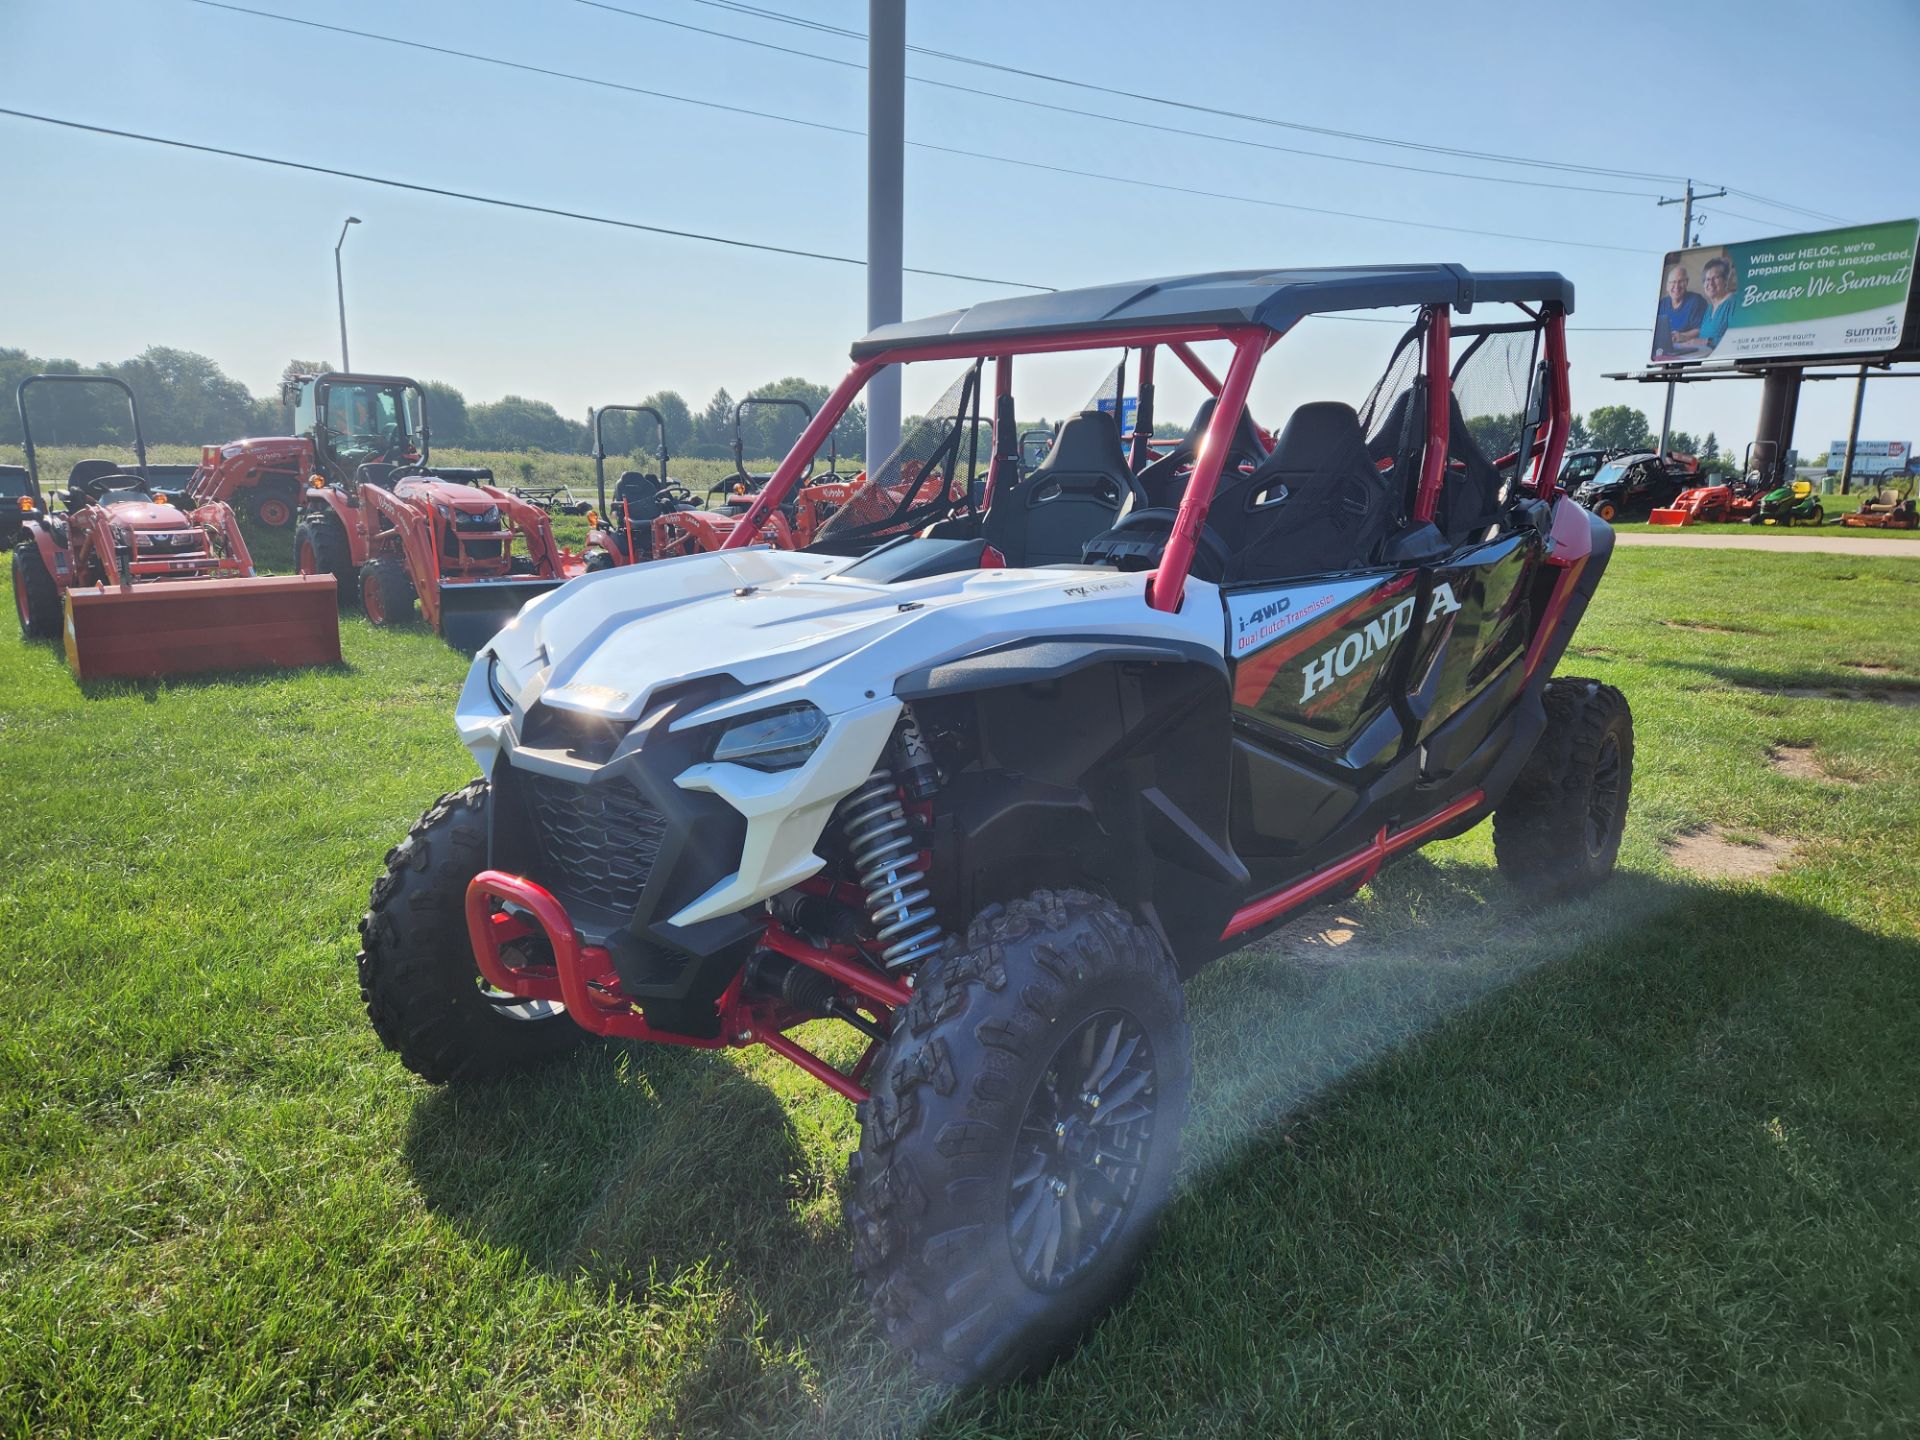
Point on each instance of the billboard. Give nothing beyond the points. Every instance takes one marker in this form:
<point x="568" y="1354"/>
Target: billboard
<point x="1871" y="457"/>
<point x="1830" y="292"/>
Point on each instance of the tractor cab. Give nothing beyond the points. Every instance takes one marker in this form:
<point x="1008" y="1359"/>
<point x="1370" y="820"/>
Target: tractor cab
<point x="359" y="420"/>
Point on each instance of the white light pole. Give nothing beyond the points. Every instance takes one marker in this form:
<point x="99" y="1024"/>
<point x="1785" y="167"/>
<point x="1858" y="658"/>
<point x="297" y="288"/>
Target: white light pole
<point x="340" y="291"/>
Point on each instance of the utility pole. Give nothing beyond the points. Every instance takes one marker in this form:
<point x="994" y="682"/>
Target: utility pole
<point x="886" y="183"/>
<point x="340" y="292"/>
<point x="1853" y="434"/>
<point x="1687" y="241"/>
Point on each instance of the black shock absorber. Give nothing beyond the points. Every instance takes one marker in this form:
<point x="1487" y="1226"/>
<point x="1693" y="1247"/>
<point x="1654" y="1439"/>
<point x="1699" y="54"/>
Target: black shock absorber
<point x="886" y="855"/>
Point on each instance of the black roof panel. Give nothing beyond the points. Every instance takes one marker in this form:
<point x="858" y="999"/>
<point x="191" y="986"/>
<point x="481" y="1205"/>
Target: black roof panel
<point x="1273" y="298"/>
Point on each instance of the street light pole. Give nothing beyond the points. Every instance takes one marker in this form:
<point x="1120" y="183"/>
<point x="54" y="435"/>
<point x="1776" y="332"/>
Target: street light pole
<point x="340" y="291"/>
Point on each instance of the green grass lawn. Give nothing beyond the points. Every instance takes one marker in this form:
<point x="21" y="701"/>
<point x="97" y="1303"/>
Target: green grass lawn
<point x="1643" y="1164"/>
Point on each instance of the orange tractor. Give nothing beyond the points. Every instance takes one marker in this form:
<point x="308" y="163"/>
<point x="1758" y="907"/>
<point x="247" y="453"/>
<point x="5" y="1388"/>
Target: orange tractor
<point x="651" y="517"/>
<point x="263" y="476"/>
<point x="142" y="587"/>
<point x="390" y="530"/>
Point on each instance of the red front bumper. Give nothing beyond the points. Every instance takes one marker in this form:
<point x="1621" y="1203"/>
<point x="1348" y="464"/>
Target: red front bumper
<point x="583" y="979"/>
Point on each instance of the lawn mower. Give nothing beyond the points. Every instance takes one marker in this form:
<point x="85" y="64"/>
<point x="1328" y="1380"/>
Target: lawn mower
<point x="973" y="801"/>
<point x="141" y="587"/>
<point x="1795" y="502"/>
<point x="1889" y="508"/>
<point x="391" y="530"/>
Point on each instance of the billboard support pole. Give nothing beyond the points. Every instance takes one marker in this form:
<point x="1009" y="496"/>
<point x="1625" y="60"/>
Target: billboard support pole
<point x="1687" y="241"/>
<point x="1853" y="433"/>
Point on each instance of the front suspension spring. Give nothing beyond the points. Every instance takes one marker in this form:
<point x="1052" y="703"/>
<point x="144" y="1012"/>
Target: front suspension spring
<point x="886" y="857"/>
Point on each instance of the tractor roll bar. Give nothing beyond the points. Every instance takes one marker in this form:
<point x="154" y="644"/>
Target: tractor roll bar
<point x="26" y="430"/>
<point x="739" y="444"/>
<point x="600" y="444"/>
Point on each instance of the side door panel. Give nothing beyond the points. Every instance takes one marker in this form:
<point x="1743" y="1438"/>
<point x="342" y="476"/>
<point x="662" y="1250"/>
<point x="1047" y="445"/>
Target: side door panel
<point x="1314" y="665"/>
<point x="1467" y="656"/>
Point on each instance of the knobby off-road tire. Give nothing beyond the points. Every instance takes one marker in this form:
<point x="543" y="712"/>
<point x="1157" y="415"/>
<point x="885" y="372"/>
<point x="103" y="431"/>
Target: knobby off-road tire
<point x="320" y="548"/>
<point x="423" y="992"/>
<point x="1059" y="996"/>
<point x="36" y="599"/>
<point x="1558" y="830"/>
<point x="386" y="593"/>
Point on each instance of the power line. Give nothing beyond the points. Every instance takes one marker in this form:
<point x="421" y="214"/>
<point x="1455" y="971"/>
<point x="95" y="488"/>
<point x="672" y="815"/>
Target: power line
<point x="498" y="201"/>
<point x="976" y="92"/>
<point x="917" y="144"/>
<point x="1491" y="157"/>
<point x="558" y="213"/>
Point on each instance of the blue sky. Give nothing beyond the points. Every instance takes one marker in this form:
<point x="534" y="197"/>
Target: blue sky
<point x="110" y="246"/>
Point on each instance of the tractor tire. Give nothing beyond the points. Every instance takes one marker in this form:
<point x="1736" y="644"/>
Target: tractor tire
<point x="983" y="1146"/>
<point x="273" y="504"/>
<point x="1606" y="510"/>
<point x="1558" y="830"/>
<point x="35" y="597"/>
<point x="320" y="547"/>
<point x="1818" y="516"/>
<point x="596" y="561"/>
<point x="386" y="594"/>
<point x="422" y="989"/>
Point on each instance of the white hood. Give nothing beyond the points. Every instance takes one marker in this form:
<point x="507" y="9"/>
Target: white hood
<point x="604" y="643"/>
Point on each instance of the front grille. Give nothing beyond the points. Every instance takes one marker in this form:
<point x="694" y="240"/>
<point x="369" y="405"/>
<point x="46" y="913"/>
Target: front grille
<point x="596" y="843"/>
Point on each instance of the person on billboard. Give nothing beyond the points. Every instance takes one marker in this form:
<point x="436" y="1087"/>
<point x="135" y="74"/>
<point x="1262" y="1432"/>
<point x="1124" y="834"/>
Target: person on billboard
<point x="1678" y="319"/>
<point x="1717" y="279"/>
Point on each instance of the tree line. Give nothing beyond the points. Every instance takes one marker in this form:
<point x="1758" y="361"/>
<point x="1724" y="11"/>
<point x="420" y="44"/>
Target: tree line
<point x="1607" y="427"/>
<point x="187" y="399"/>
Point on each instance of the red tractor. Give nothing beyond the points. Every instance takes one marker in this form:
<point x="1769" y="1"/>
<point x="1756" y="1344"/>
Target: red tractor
<point x="263" y="477"/>
<point x="140" y="586"/>
<point x="653" y="518"/>
<point x="390" y="530"/>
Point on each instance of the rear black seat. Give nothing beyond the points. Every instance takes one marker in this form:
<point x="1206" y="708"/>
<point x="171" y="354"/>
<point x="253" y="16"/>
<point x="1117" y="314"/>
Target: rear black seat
<point x="1316" y="504"/>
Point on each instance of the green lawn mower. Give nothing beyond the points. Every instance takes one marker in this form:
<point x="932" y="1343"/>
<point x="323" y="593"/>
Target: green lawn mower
<point x="1795" y="503"/>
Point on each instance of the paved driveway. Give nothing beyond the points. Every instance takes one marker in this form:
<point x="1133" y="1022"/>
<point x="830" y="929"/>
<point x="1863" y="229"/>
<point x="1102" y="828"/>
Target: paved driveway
<point x="1799" y="543"/>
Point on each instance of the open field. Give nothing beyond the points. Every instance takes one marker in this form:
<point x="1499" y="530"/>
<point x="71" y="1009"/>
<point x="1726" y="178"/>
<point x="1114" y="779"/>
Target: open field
<point x="1643" y="1164"/>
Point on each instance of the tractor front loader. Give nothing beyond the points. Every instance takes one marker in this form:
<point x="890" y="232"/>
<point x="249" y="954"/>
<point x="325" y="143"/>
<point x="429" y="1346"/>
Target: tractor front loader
<point x="391" y="530"/>
<point x="140" y="587"/>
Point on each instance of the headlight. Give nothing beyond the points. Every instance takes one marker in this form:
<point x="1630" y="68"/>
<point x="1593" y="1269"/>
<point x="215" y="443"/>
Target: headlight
<point x="778" y="740"/>
<point x="495" y="689"/>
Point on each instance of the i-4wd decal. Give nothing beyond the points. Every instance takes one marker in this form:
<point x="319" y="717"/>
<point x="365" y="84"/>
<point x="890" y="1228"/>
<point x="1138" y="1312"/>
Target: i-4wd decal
<point x="1256" y="619"/>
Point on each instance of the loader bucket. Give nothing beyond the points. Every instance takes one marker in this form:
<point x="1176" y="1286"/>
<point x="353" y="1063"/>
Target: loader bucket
<point x="1670" y="517"/>
<point x="175" y="627"/>
<point x="472" y="612"/>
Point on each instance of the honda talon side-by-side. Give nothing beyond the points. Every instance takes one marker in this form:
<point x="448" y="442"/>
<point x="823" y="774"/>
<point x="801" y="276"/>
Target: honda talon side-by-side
<point x="971" y="786"/>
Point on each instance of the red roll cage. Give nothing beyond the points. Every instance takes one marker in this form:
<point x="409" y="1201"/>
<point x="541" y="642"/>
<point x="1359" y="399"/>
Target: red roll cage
<point x="1250" y="344"/>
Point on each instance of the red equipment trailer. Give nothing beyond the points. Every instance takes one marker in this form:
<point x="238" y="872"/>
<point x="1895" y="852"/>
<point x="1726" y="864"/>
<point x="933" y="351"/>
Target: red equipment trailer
<point x="141" y="587"/>
<point x="390" y="530"/>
